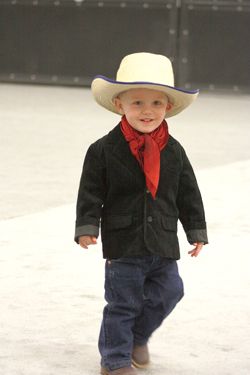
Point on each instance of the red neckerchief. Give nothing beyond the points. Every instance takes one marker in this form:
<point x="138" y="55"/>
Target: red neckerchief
<point x="146" y="147"/>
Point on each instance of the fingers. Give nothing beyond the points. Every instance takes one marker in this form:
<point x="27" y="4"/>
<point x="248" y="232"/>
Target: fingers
<point x="84" y="244"/>
<point x="196" y="251"/>
<point x="85" y="241"/>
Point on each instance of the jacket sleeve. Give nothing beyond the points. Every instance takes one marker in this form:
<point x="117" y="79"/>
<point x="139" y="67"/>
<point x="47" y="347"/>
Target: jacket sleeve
<point x="91" y="193"/>
<point x="190" y="205"/>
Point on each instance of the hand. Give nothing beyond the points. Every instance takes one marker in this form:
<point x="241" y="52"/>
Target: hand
<point x="198" y="247"/>
<point x="85" y="241"/>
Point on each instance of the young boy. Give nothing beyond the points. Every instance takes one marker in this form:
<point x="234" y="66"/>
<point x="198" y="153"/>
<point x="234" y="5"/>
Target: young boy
<point x="137" y="181"/>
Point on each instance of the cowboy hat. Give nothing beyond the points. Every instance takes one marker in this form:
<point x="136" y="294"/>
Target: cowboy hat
<point x="142" y="70"/>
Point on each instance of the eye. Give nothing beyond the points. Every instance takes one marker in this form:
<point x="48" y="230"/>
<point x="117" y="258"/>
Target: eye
<point x="157" y="102"/>
<point x="137" y="102"/>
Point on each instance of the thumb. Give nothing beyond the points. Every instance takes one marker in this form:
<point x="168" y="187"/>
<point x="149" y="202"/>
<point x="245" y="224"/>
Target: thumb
<point x="93" y="239"/>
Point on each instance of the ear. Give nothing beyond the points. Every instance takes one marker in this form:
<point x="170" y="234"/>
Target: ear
<point x="169" y="106"/>
<point x="118" y="104"/>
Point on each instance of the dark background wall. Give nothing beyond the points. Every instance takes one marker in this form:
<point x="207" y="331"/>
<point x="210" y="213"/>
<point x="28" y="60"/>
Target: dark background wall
<point x="69" y="42"/>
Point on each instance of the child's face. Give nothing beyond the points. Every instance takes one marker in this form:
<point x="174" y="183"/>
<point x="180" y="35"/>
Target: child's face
<point x="145" y="109"/>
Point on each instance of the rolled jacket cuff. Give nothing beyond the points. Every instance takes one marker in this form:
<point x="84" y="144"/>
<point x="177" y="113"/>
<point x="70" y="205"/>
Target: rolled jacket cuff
<point x="86" y="230"/>
<point x="197" y="235"/>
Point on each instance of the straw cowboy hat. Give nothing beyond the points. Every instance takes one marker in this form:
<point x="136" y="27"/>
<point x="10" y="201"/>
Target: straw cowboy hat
<point x="142" y="70"/>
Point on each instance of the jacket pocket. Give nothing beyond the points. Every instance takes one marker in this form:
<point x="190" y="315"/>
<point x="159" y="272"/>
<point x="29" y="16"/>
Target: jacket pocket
<point x="117" y="222"/>
<point x="169" y="223"/>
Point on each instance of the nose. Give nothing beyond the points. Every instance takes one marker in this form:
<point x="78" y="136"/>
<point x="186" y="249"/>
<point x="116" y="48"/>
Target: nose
<point x="147" y="109"/>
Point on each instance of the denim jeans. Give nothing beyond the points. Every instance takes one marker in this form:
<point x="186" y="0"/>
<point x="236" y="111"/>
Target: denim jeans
<point x="140" y="293"/>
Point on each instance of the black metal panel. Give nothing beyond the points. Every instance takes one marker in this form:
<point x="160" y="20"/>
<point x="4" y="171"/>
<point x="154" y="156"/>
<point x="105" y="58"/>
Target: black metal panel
<point x="68" y="42"/>
<point x="214" y="48"/>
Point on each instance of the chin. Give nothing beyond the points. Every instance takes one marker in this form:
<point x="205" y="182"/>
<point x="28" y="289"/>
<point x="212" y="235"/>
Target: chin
<point x="148" y="129"/>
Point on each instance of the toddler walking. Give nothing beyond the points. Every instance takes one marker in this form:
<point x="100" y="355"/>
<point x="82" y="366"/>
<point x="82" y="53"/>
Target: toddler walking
<point x="136" y="183"/>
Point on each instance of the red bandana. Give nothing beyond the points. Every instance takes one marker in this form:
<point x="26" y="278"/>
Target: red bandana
<point x="146" y="148"/>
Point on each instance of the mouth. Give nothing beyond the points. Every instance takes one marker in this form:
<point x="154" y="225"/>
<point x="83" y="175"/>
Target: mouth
<point x="146" y="120"/>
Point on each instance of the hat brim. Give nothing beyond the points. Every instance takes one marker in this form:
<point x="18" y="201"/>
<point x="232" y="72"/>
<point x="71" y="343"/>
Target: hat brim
<point x="105" y="90"/>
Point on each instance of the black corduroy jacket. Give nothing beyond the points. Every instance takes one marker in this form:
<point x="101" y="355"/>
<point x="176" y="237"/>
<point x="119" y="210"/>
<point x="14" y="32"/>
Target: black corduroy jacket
<point x="113" y="192"/>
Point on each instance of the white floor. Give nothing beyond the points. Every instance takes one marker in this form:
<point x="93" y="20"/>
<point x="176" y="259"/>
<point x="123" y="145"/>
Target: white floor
<point x="52" y="291"/>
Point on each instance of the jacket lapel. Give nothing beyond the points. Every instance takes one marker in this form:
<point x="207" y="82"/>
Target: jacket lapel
<point x="121" y="151"/>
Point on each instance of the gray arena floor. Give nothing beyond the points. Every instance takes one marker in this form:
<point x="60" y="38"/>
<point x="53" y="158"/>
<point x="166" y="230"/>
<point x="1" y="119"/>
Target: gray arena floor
<point x="52" y="291"/>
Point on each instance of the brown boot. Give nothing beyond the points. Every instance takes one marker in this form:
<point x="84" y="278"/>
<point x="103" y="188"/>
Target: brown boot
<point x="119" y="371"/>
<point x="140" y="356"/>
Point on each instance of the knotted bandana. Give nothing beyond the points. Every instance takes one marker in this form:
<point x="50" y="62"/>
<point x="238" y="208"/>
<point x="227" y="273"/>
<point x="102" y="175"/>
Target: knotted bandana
<point x="146" y="147"/>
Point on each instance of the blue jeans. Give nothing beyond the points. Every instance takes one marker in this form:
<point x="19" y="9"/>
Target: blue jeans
<point x="140" y="293"/>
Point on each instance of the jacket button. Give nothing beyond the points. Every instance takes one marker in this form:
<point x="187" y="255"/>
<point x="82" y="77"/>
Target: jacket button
<point x="150" y="219"/>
